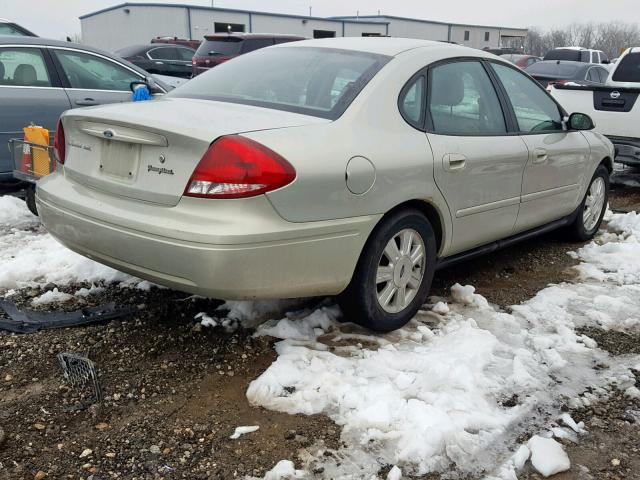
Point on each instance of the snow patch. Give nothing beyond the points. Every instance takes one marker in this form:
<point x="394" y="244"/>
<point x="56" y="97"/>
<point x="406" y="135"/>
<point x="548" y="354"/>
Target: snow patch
<point x="243" y="431"/>
<point x="52" y="296"/>
<point x="547" y="456"/>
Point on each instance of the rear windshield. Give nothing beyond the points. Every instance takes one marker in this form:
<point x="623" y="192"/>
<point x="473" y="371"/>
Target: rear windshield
<point x="558" y="70"/>
<point x="564" y="54"/>
<point x="321" y="82"/>
<point x="220" y="46"/>
<point x="628" y="69"/>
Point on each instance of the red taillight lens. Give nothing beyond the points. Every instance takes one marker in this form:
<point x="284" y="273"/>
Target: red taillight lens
<point x="237" y="167"/>
<point x="59" y="145"/>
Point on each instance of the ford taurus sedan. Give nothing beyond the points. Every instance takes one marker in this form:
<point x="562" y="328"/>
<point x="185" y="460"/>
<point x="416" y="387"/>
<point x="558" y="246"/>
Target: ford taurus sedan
<point x="351" y="167"/>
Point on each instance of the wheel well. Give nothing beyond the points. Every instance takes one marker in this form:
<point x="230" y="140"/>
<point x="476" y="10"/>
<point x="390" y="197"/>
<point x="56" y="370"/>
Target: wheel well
<point x="429" y="211"/>
<point x="608" y="163"/>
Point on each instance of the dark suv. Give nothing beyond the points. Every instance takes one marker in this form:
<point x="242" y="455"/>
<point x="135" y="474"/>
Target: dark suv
<point x="216" y="49"/>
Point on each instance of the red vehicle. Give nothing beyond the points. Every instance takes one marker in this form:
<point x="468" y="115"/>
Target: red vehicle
<point x="219" y="48"/>
<point x="177" y="41"/>
<point x="521" y="61"/>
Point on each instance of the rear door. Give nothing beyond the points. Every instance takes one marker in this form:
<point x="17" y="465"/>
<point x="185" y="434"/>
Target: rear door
<point x="30" y="91"/>
<point x="557" y="157"/>
<point x="478" y="165"/>
<point x="92" y="79"/>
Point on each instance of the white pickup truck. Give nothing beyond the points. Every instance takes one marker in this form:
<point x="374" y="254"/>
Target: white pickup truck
<point x="614" y="107"/>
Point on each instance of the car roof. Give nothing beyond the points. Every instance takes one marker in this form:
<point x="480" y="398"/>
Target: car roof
<point x="386" y="45"/>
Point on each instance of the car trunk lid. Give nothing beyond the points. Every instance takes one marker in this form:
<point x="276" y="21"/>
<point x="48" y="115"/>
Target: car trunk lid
<point x="148" y="151"/>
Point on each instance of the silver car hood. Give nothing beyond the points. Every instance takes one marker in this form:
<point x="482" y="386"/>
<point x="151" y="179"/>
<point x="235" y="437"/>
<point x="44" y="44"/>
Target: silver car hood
<point x="148" y="150"/>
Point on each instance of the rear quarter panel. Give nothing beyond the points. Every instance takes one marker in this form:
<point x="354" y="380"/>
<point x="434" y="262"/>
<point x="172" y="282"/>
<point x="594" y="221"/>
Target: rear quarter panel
<point x="372" y="127"/>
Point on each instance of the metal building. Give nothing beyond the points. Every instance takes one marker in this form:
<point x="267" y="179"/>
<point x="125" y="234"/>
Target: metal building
<point x="133" y="23"/>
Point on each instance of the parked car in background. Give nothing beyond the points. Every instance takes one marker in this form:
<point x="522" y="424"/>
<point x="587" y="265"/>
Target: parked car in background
<point x="577" y="54"/>
<point x="626" y="71"/>
<point x="163" y="59"/>
<point x="287" y="161"/>
<point x="10" y="28"/>
<point x="556" y="71"/>
<point x="216" y="49"/>
<point x="522" y="61"/>
<point x="503" y="51"/>
<point x="40" y="79"/>
<point x="178" y="41"/>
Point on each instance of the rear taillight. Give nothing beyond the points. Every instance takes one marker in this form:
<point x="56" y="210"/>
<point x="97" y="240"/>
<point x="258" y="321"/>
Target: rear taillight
<point x="237" y="167"/>
<point x="59" y="146"/>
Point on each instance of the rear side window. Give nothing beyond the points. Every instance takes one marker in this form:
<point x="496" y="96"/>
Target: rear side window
<point x="535" y="111"/>
<point x="314" y="81"/>
<point x="463" y="101"/>
<point x="220" y="46"/>
<point x="185" y="54"/>
<point x="23" y="67"/>
<point x="628" y="69"/>
<point x="164" y="53"/>
<point x="252" y="44"/>
<point x="411" y="102"/>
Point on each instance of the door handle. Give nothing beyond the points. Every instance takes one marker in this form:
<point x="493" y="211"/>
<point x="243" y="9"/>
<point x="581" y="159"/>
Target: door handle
<point x="87" y="102"/>
<point x="540" y="155"/>
<point x="454" y="161"/>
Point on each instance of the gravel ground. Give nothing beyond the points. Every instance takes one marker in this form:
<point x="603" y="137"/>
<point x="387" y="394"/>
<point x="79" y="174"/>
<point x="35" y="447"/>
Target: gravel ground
<point x="174" y="392"/>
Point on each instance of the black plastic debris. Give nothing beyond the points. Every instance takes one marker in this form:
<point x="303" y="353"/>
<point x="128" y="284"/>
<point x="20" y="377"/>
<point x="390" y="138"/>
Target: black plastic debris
<point x="28" y="321"/>
<point x="80" y="373"/>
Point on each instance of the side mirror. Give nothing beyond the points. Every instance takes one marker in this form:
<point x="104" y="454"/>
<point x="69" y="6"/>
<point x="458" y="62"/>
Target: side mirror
<point x="136" y="84"/>
<point x="580" y="121"/>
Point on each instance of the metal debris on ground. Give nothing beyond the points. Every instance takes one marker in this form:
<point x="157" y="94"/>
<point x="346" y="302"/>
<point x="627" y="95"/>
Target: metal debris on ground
<point x="28" y="321"/>
<point x="80" y="373"/>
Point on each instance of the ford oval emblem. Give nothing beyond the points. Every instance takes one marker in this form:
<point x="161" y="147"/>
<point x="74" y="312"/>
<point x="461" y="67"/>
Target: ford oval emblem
<point x="615" y="94"/>
<point x="108" y="134"/>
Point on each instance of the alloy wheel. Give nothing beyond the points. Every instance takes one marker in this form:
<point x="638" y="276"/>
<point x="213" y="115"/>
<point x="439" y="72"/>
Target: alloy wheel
<point x="594" y="203"/>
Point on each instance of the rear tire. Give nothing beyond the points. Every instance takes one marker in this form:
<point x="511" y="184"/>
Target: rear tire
<point x="390" y="284"/>
<point x="592" y="208"/>
<point x="30" y="199"/>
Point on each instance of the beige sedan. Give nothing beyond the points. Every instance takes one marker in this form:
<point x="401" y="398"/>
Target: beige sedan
<point x="351" y="167"/>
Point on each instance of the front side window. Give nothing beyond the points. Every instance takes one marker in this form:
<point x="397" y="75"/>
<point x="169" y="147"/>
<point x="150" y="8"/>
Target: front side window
<point x="163" y="53"/>
<point x="90" y="72"/>
<point x="23" y="67"/>
<point x="535" y="111"/>
<point x="628" y="69"/>
<point x="412" y="101"/>
<point x="314" y="81"/>
<point x="463" y="101"/>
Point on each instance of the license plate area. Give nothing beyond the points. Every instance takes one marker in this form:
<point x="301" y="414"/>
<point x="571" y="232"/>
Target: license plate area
<point x="120" y="160"/>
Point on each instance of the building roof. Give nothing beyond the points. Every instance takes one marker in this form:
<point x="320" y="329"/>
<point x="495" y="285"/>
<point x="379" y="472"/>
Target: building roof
<point x="385" y="18"/>
<point x="218" y="9"/>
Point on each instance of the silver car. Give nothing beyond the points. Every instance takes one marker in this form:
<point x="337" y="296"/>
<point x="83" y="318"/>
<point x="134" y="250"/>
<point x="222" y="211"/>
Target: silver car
<point x="351" y="167"/>
<point x="40" y="79"/>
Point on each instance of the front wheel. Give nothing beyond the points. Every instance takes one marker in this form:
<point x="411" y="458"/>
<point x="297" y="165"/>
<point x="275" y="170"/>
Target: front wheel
<point x="30" y="199"/>
<point x="592" y="209"/>
<point x="394" y="273"/>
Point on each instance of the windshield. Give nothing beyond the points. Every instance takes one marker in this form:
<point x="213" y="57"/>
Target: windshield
<point x="220" y="46"/>
<point x="9" y="29"/>
<point x="564" y="54"/>
<point x="628" y="69"/>
<point x="313" y="81"/>
<point x="555" y="69"/>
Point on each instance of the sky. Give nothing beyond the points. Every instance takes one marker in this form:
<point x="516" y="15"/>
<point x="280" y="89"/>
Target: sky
<point x="59" y="18"/>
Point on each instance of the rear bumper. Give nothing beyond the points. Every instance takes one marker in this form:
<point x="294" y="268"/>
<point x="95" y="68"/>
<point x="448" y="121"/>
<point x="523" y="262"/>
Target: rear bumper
<point x="627" y="150"/>
<point x="233" y="249"/>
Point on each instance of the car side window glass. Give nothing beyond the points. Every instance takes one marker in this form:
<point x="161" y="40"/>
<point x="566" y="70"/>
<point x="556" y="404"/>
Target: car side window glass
<point x="163" y="53"/>
<point x="95" y="73"/>
<point x="535" y="111"/>
<point x="412" y="100"/>
<point x="23" y="67"/>
<point x="462" y="100"/>
<point x="251" y="44"/>
<point x="604" y="74"/>
<point x="185" y="54"/>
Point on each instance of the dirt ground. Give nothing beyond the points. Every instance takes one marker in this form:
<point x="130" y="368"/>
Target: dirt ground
<point x="174" y="392"/>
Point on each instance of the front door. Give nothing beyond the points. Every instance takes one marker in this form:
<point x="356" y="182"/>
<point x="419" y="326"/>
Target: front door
<point x="91" y="79"/>
<point x="29" y="93"/>
<point x="552" y="177"/>
<point x="478" y="166"/>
